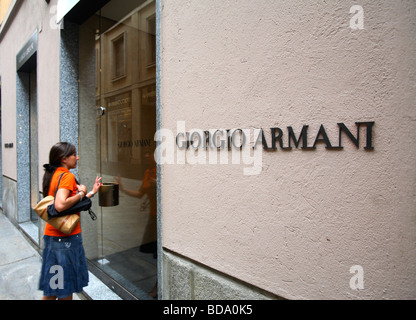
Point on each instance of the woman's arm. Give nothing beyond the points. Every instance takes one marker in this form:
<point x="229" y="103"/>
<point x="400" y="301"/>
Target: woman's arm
<point x="63" y="201"/>
<point x="132" y="193"/>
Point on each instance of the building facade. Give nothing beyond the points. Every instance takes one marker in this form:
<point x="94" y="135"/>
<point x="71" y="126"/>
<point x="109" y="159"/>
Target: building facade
<point x="282" y="133"/>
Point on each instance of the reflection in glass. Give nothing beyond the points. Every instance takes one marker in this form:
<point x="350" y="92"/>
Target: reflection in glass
<point x="126" y="76"/>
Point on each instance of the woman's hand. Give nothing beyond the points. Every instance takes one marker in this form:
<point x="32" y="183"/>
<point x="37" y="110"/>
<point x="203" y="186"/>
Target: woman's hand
<point x="82" y="188"/>
<point x="119" y="182"/>
<point x="96" y="185"/>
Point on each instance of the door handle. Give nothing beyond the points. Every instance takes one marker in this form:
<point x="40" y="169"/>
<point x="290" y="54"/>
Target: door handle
<point x="100" y="111"/>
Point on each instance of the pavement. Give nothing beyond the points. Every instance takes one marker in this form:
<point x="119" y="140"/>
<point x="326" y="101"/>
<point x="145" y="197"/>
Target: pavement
<point x="20" y="265"/>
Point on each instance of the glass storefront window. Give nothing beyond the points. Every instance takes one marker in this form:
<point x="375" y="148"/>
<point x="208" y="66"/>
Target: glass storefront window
<point x="125" y="87"/>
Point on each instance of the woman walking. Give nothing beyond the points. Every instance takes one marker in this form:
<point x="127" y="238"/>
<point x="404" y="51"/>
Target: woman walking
<point x="64" y="266"/>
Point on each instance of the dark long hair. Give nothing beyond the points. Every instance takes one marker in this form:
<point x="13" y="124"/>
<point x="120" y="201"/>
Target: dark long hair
<point x="56" y="154"/>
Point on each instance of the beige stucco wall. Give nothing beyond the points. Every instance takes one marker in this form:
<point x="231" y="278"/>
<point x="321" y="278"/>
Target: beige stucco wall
<point x="48" y="75"/>
<point x="298" y="227"/>
<point x="4" y="7"/>
<point x="31" y="16"/>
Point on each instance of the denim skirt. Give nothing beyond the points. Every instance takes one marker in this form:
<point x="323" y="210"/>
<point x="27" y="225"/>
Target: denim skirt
<point x="64" y="266"/>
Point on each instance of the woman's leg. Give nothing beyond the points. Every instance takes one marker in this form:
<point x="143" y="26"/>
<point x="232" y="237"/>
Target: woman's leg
<point x="54" y="298"/>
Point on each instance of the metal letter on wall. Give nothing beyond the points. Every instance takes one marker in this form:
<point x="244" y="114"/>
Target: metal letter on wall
<point x="26" y="57"/>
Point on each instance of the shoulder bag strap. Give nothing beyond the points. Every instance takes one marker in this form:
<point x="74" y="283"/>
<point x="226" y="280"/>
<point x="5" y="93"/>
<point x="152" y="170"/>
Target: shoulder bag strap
<point x="56" y="190"/>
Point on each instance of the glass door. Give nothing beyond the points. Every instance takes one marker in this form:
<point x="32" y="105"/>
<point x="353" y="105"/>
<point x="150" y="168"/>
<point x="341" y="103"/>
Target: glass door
<point x="125" y="45"/>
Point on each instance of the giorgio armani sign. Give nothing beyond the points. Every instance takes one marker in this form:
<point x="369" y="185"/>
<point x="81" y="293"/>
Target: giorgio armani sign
<point x="237" y="146"/>
<point x="285" y="139"/>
